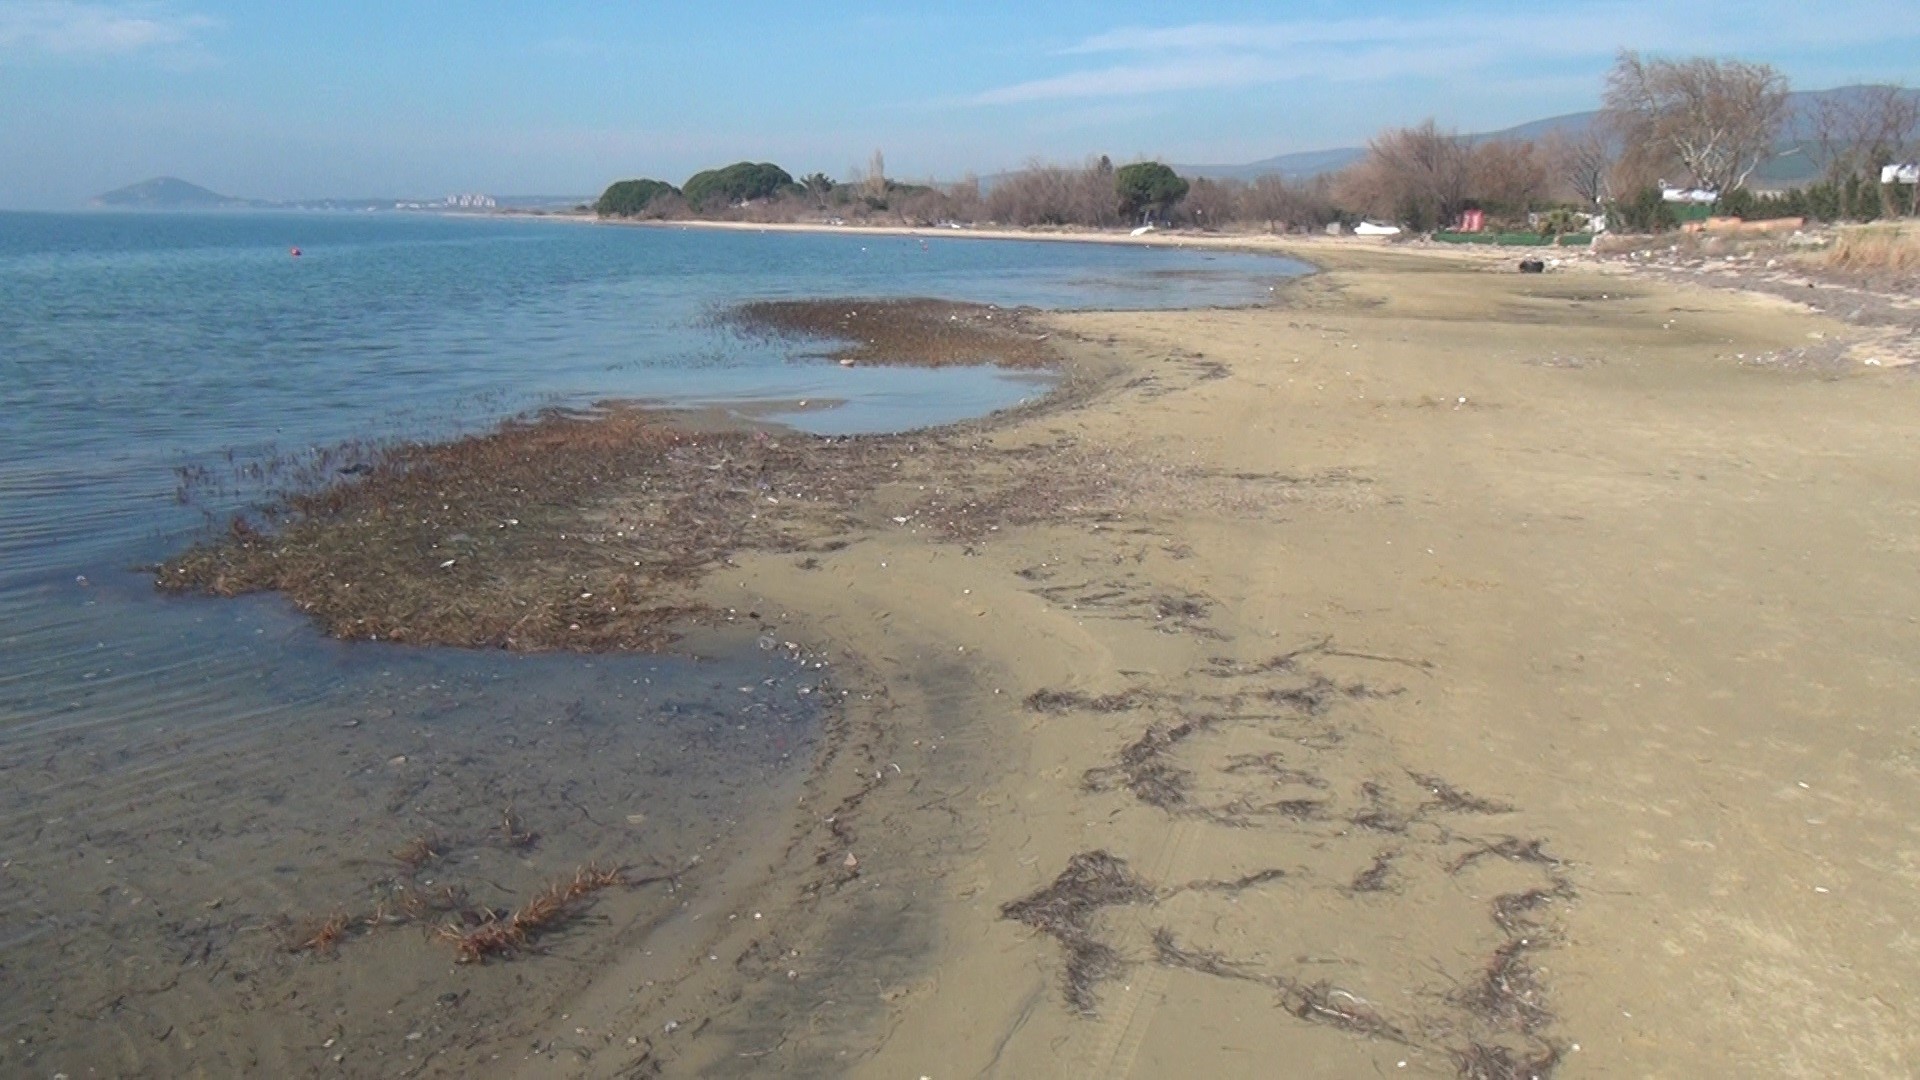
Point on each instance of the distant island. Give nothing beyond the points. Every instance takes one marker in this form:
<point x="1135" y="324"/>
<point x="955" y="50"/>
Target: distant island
<point x="175" y="194"/>
<point x="168" y="193"/>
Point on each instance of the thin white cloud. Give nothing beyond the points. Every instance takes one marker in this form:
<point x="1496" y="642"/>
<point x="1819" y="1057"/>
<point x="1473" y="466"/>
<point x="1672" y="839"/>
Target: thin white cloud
<point x="1149" y="78"/>
<point x="1463" y="44"/>
<point x="1262" y="36"/>
<point x="70" y="28"/>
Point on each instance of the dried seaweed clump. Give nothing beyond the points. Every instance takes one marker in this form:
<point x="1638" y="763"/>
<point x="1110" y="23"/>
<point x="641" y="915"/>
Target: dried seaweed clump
<point x="1146" y="769"/>
<point x="1063" y="701"/>
<point x="549" y="909"/>
<point x="502" y="540"/>
<point x="1508" y="993"/>
<point x="1511" y="848"/>
<point x="420" y="850"/>
<point x="1376" y="877"/>
<point x="1065" y="911"/>
<point x="320" y="937"/>
<point x="1482" y="1061"/>
<point x="1317" y="1003"/>
<point x="918" y="332"/>
<point x="1455" y="801"/>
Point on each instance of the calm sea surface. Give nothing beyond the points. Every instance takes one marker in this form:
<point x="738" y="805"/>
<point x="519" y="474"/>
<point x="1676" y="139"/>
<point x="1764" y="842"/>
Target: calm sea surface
<point x="166" y="763"/>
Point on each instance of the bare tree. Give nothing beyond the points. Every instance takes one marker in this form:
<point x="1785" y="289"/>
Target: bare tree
<point x="1583" y="163"/>
<point x="1716" y="119"/>
<point x="877" y="175"/>
<point x="1211" y="204"/>
<point x="1043" y="194"/>
<point x="965" y="202"/>
<point x="1417" y="175"/>
<point x="1271" y="201"/>
<point x="1863" y="130"/>
<point x="1509" y="175"/>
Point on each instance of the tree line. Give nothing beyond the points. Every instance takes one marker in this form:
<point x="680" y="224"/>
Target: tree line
<point x="1698" y="123"/>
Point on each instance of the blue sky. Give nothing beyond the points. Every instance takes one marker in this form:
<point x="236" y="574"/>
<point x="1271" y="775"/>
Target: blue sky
<point x="294" y="99"/>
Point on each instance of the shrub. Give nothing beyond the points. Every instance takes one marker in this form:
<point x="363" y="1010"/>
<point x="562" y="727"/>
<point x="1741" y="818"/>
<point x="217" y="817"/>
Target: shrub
<point x="628" y="198"/>
<point x="1852" y="198"/>
<point x="742" y="181"/>
<point x="1562" y="222"/>
<point x="1147" y="186"/>
<point x="1647" y="211"/>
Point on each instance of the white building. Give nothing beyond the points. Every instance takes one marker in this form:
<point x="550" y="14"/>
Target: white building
<point x="1695" y="196"/>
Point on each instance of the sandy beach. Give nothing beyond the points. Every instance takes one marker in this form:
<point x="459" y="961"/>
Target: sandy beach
<point x="1441" y="671"/>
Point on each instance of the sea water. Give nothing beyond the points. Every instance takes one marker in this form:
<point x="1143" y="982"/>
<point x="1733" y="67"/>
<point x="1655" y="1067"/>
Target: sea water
<point x="183" y="780"/>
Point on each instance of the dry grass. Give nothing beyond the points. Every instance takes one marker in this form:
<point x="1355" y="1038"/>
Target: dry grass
<point x="1877" y="251"/>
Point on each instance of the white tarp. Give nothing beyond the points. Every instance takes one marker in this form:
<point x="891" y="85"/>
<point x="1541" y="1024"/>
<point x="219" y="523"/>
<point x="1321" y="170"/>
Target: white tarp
<point x="1368" y="228"/>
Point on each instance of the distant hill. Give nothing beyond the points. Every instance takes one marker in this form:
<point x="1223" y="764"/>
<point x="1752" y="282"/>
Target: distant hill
<point x="167" y="193"/>
<point x="172" y="193"/>
<point x="1792" y="163"/>
<point x="1303" y="165"/>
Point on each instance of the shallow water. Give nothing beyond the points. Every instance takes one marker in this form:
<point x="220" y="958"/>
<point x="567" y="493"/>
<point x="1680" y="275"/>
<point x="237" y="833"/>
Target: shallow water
<point x="180" y="779"/>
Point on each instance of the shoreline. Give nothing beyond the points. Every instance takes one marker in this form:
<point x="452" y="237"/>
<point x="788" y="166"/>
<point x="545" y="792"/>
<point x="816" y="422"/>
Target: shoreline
<point x="1144" y="706"/>
<point x="1322" y="252"/>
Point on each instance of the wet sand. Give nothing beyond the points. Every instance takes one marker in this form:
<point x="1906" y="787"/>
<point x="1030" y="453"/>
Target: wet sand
<point x="193" y="899"/>
<point x="1441" y="672"/>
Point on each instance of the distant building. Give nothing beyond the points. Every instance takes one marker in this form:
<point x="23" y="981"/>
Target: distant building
<point x="472" y="202"/>
<point x="1906" y="173"/>
<point x="1695" y="196"/>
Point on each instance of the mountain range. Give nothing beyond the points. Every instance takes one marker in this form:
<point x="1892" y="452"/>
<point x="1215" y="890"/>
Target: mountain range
<point x="1791" y="164"/>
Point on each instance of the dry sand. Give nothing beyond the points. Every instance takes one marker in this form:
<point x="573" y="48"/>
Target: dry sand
<point x="1441" y="672"/>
